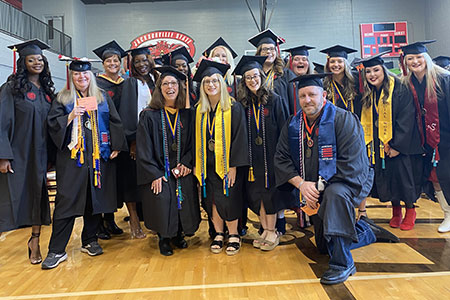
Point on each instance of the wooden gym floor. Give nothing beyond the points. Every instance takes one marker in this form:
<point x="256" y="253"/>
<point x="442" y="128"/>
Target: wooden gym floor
<point x="416" y="268"/>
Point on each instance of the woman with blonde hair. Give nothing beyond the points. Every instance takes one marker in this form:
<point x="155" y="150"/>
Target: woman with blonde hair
<point x="220" y="135"/>
<point x="387" y="118"/>
<point x="430" y="88"/>
<point x="88" y="134"/>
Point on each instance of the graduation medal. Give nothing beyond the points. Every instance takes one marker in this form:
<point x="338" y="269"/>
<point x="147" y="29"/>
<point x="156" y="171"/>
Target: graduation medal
<point x="257" y="114"/>
<point x="173" y="128"/>
<point x="211" y="145"/>
<point x="258" y="140"/>
<point x="308" y="153"/>
<point x="87" y="124"/>
<point x="211" y="142"/>
<point x="309" y="132"/>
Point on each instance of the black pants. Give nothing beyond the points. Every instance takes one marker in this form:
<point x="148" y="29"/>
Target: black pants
<point x="62" y="229"/>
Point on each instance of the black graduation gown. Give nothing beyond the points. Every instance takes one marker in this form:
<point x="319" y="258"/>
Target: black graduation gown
<point x="24" y="141"/>
<point x="275" y="116"/>
<point x="113" y="89"/>
<point x="73" y="181"/>
<point x="229" y="208"/>
<point x="443" y="166"/>
<point x="396" y="181"/>
<point x="127" y="188"/>
<point x="285" y="89"/>
<point x="161" y="212"/>
<point x="347" y="188"/>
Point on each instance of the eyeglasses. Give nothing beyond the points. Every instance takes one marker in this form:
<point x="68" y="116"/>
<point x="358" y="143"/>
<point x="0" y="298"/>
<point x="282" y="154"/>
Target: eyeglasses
<point x="213" y="81"/>
<point x="171" y="83"/>
<point x="251" y="78"/>
<point x="268" y="49"/>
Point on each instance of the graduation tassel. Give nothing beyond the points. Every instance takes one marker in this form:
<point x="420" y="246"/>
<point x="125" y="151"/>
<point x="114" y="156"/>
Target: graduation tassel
<point x="266" y="181"/>
<point x="225" y="181"/>
<point x="433" y="160"/>
<point x="372" y="153"/>
<point x="14" y="60"/>
<point x="188" y="100"/>
<point x="360" y="69"/>
<point x="402" y="64"/>
<point x="203" y="186"/>
<point x="235" y="86"/>
<point x="383" y="165"/>
<point x="251" y="176"/>
<point x="67" y="75"/>
<point x="295" y="98"/>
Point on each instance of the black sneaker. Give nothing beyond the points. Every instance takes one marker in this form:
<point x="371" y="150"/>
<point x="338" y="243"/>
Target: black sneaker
<point x="53" y="260"/>
<point x="112" y="228"/>
<point x="103" y="233"/>
<point x="93" y="249"/>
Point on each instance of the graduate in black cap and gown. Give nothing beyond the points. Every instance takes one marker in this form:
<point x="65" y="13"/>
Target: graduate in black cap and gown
<point x="220" y="155"/>
<point x="266" y="115"/>
<point x="277" y="76"/>
<point x="387" y="118"/>
<point x="164" y="163"/>
<point x="111" y="55"/>
<point x="342" y="86"/>
<point x="442" y="61"/>
<point x="86" y="129"/>
<point x="136" y="95"/>
<point x="321" y="155"/>
<point x="429" y="85"/>
<point x="25" y="101"/>
<point x="222" y="51"/>
<point x="180" y="59"/>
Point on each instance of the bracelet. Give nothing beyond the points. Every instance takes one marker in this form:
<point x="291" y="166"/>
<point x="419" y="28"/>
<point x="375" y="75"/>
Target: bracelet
<point x="361" y="210"/>
<point x="300" y="185"/>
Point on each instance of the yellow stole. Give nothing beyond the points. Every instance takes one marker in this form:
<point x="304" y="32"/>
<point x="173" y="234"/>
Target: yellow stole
<point x="384" y="109"/>
<point x="222" y="154"/>
<point x="269" y="79"/>
<point x="120" y="80"/>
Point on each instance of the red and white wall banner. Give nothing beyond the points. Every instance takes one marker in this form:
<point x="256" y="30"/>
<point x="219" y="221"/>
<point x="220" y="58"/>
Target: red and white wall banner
<point x="164" y="41"/>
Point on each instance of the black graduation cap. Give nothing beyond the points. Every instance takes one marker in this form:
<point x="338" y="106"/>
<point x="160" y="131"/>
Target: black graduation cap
<point x="179" y="53"/>
<point x="30" y="47"/>
<point x="416" y="48"/>
<point x="220" y="42"/>
<point x="442" y="61"/>
<point x="374" y="60"/>
<point x="300" y="50"/>
<point x="169" y="70"/>
<point x="319" y="68"/>
<point x="266" y="37"/>
<point x="248" y="62"/>
<point x="158" y="61"/>
<point x="338" y="51"/>
<point x="139" y="51"/>
<point x="208" y="67"/>
<point x="310" y="80"/>
<point x="109" y="48"/>
<point x="79" y="64"/>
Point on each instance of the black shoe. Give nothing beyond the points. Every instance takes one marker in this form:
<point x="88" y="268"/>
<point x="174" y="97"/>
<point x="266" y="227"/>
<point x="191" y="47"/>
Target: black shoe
<point x="281" y="225"/>
<point x="165" y="248"/>
<point x="334" y="276"/>
<point x="180" y="242"/>
<point x="112" y="227"/>
<point x="243" y="231"/>
<point x="93" y="249"/>
<point x="382" y="235"/>
<point x="102" y="233"/>
<point x="53" y="260"/>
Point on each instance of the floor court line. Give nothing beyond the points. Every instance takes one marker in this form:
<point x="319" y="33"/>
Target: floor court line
<point x="219" y="285"/>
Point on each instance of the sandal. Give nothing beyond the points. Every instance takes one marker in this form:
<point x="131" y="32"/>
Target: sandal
<point x="267" y="245"/>
<point x="235" y="246"/>
<point x="259" y="240"/>
<point x="38" y="260"/>
<point x="217" y="245"/>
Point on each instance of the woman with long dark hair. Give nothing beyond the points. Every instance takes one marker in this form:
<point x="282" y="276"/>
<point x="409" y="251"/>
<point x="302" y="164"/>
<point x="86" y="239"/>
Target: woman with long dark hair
<point x="164" y="163"/>
<point x="136" y="95"/>
<point x="219" y="158"/>
<point x="266" y="116"/>
<point x="430" y="88"/>
<point x="25" y="101"/>
<point x="387" y="118"/>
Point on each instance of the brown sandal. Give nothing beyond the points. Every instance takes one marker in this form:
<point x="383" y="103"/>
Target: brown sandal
<point x="39" y="259"/>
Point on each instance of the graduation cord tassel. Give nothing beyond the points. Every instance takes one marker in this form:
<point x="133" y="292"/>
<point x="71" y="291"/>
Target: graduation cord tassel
<point x="266" y="169"/>
<point x="165" y="147"/>
<point x="382" y="156"/>
<point x="433" y="160"/>
<point x="178" y="190"/>
<point x="203" y="156"/>
<point x="301" y="166"/>
<point x="402" y="63"/>
<point x="96" y="149"/>
<point x="251" y="176"/>
<point x="224" y="146"/>
<point x="14" y="60"/>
